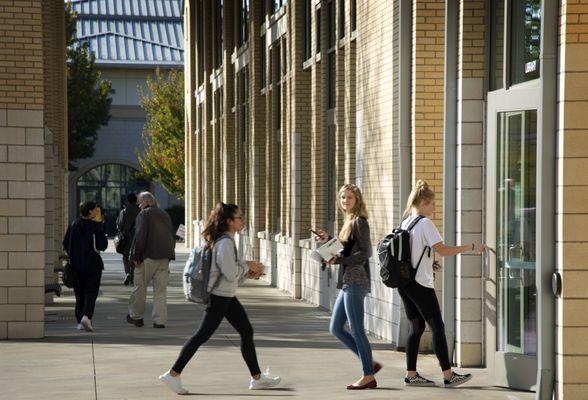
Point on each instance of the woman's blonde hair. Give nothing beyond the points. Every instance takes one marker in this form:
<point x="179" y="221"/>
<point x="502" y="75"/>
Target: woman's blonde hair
<point x="420" y="193"/>
<point x="359" y="210"/>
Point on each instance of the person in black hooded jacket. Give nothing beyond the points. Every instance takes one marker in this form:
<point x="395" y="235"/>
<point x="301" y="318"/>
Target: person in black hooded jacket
<point x="83" y="242"/>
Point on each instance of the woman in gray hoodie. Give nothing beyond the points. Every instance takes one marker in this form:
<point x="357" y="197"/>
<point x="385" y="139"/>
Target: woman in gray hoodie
<point x="227" y="271"/>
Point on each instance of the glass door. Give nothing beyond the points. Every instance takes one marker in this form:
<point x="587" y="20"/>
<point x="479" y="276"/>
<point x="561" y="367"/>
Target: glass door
<point x="516" y="232"/>
<point x="511" y="228"/>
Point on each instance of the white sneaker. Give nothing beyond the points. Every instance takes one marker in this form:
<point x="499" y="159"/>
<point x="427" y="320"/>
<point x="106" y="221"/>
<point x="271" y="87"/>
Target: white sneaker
<point x="265" y="381"/>
<point x="87" y="324"/>
<point x="174" y="383"/>
<point x="80" y="327"/>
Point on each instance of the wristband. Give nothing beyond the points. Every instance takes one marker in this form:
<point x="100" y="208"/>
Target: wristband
<point x="472" y="247"/>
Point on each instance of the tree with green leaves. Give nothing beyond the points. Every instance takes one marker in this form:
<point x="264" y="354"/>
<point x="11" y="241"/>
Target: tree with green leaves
<point x="163" y="133"/>
<point x="88" y="95"/>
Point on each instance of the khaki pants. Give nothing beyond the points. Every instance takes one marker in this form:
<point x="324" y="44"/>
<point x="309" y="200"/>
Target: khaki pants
<point x="158" y="272"/>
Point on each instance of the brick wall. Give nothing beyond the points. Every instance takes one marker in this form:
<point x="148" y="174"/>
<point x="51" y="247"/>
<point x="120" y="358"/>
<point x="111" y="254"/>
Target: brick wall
<point x="21" y="60"/>
<point x="572" y="209"/>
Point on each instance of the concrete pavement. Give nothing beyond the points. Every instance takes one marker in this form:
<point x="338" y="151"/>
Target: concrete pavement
<point x="120" y="361"/>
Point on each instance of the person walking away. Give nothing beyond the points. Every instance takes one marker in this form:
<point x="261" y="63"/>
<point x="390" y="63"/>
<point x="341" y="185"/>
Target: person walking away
<point x="125" y="224"/>
<point x="354" y="282"/>
<point x="151" y="251"/>
<point x="227" y="271"/>
<point x="83" y="242"/>
<point x="420" y="302"/>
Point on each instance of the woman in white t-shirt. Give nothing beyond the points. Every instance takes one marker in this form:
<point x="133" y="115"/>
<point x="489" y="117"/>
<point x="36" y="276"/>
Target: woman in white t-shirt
<point x="420" y="302"/>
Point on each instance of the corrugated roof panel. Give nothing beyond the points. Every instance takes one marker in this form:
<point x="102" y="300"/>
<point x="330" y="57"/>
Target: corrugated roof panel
<point x="153" y="8"/>
<point x="129" y="38"/>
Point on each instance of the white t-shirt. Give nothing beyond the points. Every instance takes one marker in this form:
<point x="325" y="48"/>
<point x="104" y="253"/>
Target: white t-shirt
<point x="423" y="234"/>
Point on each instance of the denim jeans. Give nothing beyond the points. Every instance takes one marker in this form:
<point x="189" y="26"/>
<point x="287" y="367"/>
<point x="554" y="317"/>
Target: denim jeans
<point x="349" y="308"/>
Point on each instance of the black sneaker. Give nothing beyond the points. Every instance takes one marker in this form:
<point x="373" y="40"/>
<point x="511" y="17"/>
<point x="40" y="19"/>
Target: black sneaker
<point x="160" y="326"/>
<point x="417" y="380"/>
<point x="137" y="322"/>
<point x="456" y="380"/>
<point x="127" y="280"/>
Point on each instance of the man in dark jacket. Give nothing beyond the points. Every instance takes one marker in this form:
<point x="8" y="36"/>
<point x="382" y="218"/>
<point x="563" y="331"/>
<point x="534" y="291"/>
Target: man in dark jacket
<point x="152" y="249"/>
<point x="125" y="224"/>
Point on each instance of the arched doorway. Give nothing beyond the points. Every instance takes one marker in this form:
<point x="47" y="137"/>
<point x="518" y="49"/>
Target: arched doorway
<point x="108" y="184"/>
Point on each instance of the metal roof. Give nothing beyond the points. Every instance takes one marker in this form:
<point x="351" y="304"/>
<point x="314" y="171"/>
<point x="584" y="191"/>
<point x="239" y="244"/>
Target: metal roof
<point x="127" y="33"/>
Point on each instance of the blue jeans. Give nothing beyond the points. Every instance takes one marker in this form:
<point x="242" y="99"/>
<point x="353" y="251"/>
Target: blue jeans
<point x="349" y="308"/>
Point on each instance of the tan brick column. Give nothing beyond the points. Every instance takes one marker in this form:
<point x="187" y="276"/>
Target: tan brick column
<point x="300" y="103"/>
<point x="22" y="181"/>
<point x="427" y="96"/>
<point x="54" y="173"/>
<point x="348" y="103"/>
<point x="572" y="207"/>
<point x="470" y="161"/>
<point x="257" y="152"/>
<point x="190" y="116"/>
<point x="318" y="123"/>
<point x="229" y="134"/>
<point x="377" y="151"/>
<point x="207" y="131"/>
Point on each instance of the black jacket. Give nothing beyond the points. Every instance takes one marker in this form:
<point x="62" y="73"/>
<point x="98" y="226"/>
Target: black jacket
<point x="125" y="223"/>
<point x="83" y="241"/>
<point x="154" y="236"/>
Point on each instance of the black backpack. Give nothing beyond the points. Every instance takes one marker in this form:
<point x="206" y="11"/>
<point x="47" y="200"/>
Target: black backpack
<point x="394" y="255"/>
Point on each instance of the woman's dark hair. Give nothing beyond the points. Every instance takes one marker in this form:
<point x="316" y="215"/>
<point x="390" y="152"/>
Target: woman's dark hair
<point x="132" y="198"/>
<point x="217" y="224"/>
<point x="86" y="207"/>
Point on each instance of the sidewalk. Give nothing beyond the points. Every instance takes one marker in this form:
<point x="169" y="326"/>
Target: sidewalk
<point x="120" y="361"/>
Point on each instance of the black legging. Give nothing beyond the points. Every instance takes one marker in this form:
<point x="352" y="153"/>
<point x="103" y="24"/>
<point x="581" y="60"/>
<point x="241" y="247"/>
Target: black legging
<point x="86" y="289"/>
<point x="421" y="304"/>
<point x="233" y="311"/>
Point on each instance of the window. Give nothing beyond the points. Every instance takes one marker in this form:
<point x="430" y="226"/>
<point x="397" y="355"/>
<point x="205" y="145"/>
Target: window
<point x="218" y="30"/>
<point x="331" y="55"/>
<point x="331" y="24"/>
<point x="277" y="159"/>
<point x="525" y="40"/>
<point x="497" y="45"/>
<point x="307" y="29"/>
<point x="244" y="125"/>
<point x="200" y="41"/>
<point x="275" y="5"/>
<point x="331" y="178"/>
<point x="276" y="59"/>
<point x="262" y="10"/>
<point x="284" y="58"/>
<point x="244" y="21"/>
<point x="518" y="55"/>
<point x="318" y="31"/>
<point x="341" y="19"/>
<point x="108" y="185"/>
<point x="353" y="13"/>
<point x="331" y="80"/>
<point x="263" y="57"/>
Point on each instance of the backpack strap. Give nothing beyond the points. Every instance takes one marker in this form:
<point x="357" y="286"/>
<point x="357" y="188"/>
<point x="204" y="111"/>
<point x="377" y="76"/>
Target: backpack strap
<point x="422" y="255"/>
<point x="413" y="223"/>
<point x="234" y="244"/>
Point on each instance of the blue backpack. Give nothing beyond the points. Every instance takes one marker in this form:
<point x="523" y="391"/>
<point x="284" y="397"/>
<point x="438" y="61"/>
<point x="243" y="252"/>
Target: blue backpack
<point x="197" y="274"/>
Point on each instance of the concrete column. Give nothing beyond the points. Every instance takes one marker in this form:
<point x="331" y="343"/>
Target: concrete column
<point x="470" y="162"/>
